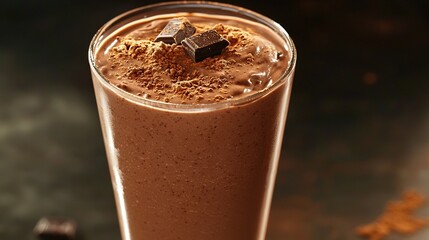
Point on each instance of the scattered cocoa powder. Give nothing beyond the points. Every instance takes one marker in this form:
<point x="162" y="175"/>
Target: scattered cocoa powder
<point x="397" y="217"/>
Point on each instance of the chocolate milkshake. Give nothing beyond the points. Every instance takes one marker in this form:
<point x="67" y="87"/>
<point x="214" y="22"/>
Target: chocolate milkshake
<point x="192" y="102"/>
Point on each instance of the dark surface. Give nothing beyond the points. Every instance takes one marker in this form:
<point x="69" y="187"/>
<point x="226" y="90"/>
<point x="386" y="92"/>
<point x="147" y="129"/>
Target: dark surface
<point x="357" y="134"/>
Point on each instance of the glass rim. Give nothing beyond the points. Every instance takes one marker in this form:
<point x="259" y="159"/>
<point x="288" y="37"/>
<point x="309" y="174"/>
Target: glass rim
<point x="199" y="107"/>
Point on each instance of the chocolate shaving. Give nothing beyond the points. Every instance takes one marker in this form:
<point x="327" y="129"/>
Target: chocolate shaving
<point x="175" y="31"/>
<point x="204" y="45"/>
<point x="55" y="228"/>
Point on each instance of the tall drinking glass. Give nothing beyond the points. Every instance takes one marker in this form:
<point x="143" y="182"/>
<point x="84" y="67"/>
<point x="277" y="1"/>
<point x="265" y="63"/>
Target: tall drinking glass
<point x="192" y="171"/>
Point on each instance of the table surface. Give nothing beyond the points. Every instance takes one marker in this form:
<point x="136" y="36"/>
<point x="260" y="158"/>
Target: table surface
<point x="357" y="134"/>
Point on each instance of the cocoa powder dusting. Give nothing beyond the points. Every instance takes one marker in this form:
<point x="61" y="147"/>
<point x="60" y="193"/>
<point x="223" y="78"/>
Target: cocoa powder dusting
<point x="397" y="217"/>
<point x="148" y="64"/>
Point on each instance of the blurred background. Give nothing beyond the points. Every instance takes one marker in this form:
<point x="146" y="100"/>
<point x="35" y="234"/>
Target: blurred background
<point x="357" y="134"/>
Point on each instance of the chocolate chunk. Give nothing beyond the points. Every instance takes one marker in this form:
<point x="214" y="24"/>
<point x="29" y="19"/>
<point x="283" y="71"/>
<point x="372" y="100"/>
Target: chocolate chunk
<point x="55" y="229"/>
<point x="175" y="31"/>
<point x="204" y="45"/>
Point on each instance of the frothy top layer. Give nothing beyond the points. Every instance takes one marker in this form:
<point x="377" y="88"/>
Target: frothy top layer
<point x="131" y="60"/>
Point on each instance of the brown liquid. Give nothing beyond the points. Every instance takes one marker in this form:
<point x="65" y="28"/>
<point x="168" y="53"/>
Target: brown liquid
<point x="192" y="175"/>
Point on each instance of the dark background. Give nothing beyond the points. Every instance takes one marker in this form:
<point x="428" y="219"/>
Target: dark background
<point x="357" y="133"/>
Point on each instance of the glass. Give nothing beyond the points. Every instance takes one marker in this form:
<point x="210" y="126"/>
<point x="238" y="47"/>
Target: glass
<point x="192" y="171"/>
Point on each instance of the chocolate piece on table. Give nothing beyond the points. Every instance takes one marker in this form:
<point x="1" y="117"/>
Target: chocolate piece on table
<point x="204" y="45"/>
<point x="175" y="31"/>
<point x="55" y="229"/>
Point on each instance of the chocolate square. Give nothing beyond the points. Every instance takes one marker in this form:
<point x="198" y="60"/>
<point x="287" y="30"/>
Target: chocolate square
<point x="175" y="31"/>
<point x="204" y="45"/>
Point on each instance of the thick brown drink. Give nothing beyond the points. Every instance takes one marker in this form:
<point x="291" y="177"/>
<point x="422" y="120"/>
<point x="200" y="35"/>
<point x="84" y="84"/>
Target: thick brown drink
<point x="192" y="146"/>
